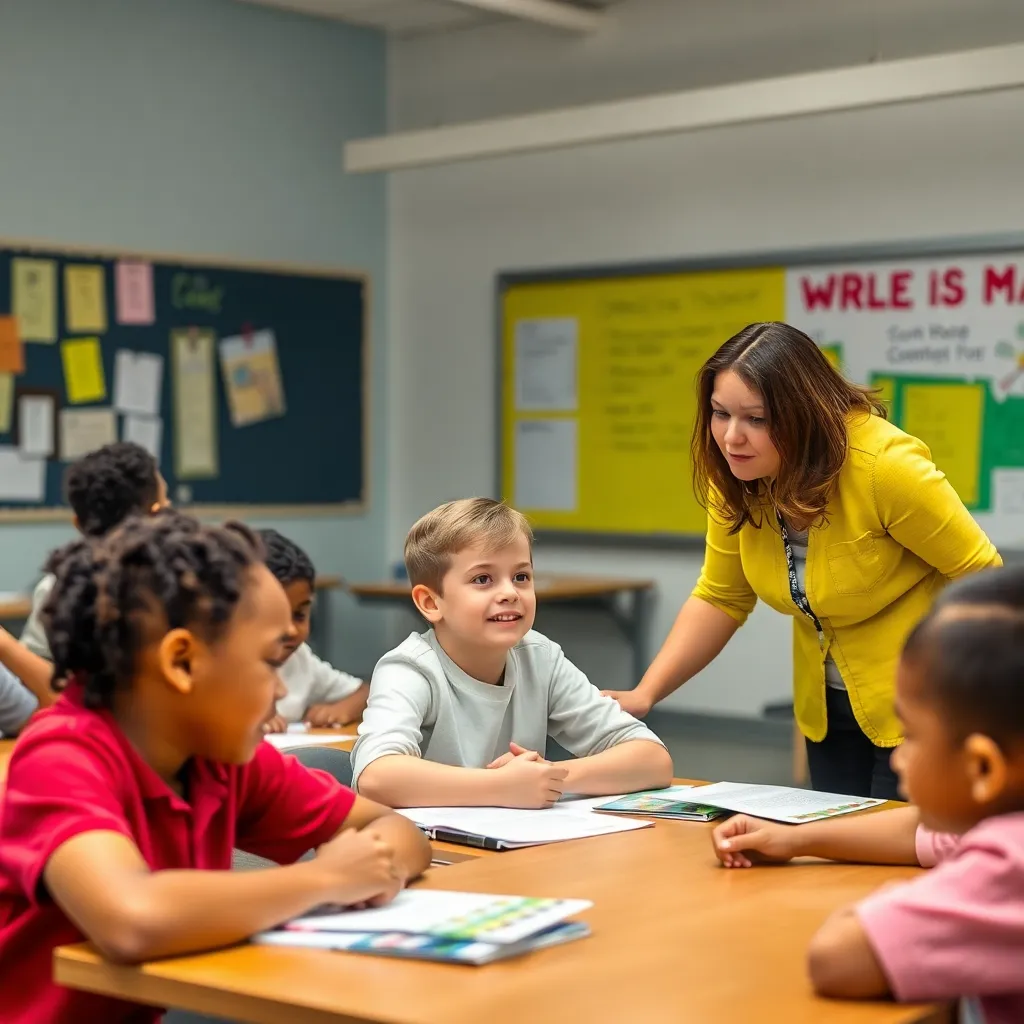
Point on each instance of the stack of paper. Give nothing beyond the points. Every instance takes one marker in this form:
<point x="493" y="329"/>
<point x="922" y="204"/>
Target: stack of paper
<point x="663" y="803"/>
<point x="460" y="927"/>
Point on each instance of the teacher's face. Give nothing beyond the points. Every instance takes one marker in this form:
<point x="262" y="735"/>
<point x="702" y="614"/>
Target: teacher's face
<point x="740" y="429"/>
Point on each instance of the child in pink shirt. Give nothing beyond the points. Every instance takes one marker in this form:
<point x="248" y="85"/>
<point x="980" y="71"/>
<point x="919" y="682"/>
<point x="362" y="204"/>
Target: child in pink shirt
<point x="957" y="931"/>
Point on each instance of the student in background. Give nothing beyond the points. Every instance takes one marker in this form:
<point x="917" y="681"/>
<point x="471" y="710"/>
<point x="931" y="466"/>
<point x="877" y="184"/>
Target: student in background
<point x="125" y="799"/>
<point x="800" y="471"/>
<point x="318" y="693"/>
<point x="959" y="930"/>
<point x="462" y="714"/>
<point x="103" y="488"/>
<point x="25" y="680"/>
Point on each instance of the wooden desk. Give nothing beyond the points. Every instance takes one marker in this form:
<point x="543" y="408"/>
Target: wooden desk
<point x="675" y="938"/>
<point x="16" y="609"/>
<point x="627" y="601"/>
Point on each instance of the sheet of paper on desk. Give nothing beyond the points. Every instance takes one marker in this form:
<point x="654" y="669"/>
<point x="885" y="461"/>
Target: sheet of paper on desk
<point x="290" y="741"/>
<point x="780" y="803"/>
<point x="514" y="827"/>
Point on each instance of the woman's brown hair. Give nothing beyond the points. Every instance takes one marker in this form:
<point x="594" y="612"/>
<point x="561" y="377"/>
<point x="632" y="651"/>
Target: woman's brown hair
<point x="807" y="404"/>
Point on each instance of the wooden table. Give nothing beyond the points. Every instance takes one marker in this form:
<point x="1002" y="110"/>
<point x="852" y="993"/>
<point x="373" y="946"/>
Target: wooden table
<point x="676" y="938"/>
<point x="627" y="601"/>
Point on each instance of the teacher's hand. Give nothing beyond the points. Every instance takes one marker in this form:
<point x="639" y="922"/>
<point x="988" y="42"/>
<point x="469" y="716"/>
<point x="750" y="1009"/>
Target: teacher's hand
<point x="633" y="702"/>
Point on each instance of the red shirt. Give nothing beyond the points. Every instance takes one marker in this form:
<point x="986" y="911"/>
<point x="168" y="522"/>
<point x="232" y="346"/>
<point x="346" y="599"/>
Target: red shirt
<point x="74" y="771"/>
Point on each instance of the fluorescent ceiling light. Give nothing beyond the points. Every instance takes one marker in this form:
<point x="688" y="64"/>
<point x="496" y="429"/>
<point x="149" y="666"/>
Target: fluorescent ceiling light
<point x="553" y="13"/>
<point x="819" y="92"/>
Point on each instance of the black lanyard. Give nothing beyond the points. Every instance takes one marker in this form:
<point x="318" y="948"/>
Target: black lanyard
<point x="799" y="597"/>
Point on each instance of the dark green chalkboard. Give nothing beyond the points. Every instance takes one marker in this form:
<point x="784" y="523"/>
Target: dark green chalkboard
<point x="311" y="459"/>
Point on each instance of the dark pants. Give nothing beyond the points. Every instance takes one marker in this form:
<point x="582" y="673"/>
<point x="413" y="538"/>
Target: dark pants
<point x="846" y="761"/>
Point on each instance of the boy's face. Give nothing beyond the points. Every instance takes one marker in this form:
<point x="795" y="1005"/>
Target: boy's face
<point x="939" y="769"/>
<point x="487" y="598"/>
<point x="300" y="597"/>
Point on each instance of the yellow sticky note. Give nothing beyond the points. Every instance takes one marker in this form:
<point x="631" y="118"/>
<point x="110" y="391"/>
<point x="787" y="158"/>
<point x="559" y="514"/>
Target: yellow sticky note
<point x="85" y="299"/>
<point x="34" y="299"/>
<point x="949" y="418"/>
<point x="83" y="370"/>
<point x="6" y="401"/>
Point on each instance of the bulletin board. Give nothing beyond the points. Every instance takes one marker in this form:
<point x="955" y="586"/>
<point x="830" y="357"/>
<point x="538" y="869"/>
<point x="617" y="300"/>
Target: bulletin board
<point x="597" y="366"/>
<point x="248" y="382"/>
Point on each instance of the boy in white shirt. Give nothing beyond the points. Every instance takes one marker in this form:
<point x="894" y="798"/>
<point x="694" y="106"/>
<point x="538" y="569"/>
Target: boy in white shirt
<point x="461" y="714"/>
<point x="318" y="694"/>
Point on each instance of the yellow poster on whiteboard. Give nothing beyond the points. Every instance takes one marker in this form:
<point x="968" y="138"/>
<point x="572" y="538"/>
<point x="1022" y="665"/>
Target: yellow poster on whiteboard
<point x="599" y="398"/>
<point x="949" y="418"/>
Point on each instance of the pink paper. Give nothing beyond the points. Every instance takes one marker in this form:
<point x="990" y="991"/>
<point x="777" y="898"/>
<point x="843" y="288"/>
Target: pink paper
<point x="135" y="293"/>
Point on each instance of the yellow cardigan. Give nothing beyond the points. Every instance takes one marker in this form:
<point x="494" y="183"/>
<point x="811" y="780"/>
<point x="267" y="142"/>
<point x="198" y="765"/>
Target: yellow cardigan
<point x="896" y="533"/>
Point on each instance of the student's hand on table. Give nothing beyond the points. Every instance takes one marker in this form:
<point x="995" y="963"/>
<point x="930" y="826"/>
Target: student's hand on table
<point x="324" y="716"/>
<point x="360" y="869"/>
<point x="514" y="751"/>
<point x="633" y="702"/>
<point x="527" y="783"/>
<point x="275" y="724"/>
<point x="741" y="841"/>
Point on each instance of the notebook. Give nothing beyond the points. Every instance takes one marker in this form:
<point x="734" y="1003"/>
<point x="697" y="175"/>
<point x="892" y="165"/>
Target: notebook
<point x="781" y="803"/>
<point x="509" y="828"/>
<point x="473" y="952"/>
<point x="663" y="803"/>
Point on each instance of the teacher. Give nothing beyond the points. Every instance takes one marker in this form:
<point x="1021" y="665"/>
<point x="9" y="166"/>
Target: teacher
<point x="828" y="513"/>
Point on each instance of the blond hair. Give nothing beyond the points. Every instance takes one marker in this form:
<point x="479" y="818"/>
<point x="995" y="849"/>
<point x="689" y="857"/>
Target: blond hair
<point x="451" y="528"/>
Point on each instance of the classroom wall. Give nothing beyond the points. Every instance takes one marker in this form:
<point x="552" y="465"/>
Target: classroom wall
<point x="202" y="127"/>
<point x="940" y="169"/>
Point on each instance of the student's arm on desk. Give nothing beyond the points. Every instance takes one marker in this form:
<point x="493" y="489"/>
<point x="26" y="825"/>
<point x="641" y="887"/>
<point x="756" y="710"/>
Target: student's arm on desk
<point x="35" y="672"/>
<point x="406" y="781"/>
<point x="885" y="837"/>
<point x="614" y="753"/>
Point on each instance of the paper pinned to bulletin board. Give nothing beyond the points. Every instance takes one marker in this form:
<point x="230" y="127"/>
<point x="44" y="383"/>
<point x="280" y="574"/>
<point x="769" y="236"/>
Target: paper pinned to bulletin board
<point x="252" y="377"/>
<point x="34" y="298"/>
<point x="195" y="403"/>
<point x="85" y="298"/>
<point x="12" y="352"/>
<point x="84" y="380"/>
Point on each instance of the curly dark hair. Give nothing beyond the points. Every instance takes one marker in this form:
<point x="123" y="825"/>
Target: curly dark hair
<point x="285" y="559"/>
<point x="110" y="484"/>
<point x="168" y="564"/>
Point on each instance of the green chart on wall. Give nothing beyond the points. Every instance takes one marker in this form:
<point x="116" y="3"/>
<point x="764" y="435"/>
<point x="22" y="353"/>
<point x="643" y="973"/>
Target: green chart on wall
<point x="972" y="432"/>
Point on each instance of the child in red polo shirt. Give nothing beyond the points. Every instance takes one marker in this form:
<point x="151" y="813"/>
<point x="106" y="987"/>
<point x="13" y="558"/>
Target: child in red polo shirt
<point x="125" y="799"/>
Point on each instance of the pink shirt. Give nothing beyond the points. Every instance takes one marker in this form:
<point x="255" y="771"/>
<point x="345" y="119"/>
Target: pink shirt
<point x="958" y="932"/>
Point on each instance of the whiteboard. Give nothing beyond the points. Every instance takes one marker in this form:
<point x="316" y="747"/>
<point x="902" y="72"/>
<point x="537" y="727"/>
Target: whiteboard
<point x="597" y="367"/>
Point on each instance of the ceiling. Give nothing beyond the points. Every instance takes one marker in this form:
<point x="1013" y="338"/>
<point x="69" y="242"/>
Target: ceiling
<point x="401" y="17"/>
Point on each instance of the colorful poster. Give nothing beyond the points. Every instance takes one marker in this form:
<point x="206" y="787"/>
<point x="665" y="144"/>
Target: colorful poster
<point x="83" y="371"/>
<point x="85" y="299"/>
<point x="34" y="298"/>
<point x="252" y="378"/>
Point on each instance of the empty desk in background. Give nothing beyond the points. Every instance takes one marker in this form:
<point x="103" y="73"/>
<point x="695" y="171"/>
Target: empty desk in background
<point x="674" y="938"/>
<point x="627" y="601"/>
<point x="16" y="608"/>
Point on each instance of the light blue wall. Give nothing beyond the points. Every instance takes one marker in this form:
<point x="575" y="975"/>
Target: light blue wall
<point x="202" y="127"/>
